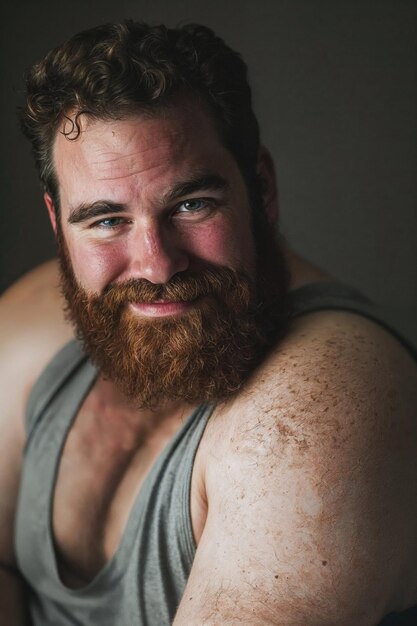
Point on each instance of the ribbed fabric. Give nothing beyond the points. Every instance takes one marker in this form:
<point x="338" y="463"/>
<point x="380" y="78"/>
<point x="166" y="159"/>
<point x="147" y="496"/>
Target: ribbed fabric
<point x="145" y="579"/>
<point x="143" y="583"/>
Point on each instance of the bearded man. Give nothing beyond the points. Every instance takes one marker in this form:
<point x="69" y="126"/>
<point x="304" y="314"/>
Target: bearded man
<point x="232" y="436"/>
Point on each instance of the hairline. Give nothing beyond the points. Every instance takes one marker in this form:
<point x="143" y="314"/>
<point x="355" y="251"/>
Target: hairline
<point x="145" y="111"/>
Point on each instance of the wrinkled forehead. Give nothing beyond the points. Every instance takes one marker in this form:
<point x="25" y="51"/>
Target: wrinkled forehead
<point x="140" y="156"/>
<point x="185" y="127"/>
<point x="189" y="113"/>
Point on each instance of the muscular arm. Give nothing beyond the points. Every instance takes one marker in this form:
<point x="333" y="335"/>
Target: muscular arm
<point x="32" y="329"/>
<point x="311" y="486"/>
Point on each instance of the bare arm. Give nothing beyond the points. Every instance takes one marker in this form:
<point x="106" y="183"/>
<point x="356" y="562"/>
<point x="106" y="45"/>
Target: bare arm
<point x="311" y="487"/>
<point x="32" y="329"/>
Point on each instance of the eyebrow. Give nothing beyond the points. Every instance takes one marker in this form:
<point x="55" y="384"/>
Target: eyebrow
<point x="84" y="212"/>
<point x="203" y="182"/>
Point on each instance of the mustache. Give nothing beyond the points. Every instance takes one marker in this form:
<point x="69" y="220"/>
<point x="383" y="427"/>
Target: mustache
<point x="184" y="287"/>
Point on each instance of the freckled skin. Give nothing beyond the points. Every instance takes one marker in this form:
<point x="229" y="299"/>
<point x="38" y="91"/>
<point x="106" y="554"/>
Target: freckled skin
<point x="314" y="454"/>
<point x="303" y="496"/>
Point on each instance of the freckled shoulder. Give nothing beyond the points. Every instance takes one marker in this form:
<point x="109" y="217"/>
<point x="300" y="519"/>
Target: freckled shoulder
<point x="310" y="477"/>
<point x="330" y="363"/>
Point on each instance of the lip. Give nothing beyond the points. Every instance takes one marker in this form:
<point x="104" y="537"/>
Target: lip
<point x="161" y="309"/>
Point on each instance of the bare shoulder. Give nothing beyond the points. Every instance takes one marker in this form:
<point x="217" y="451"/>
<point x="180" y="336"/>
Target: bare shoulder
<point x="36" y="298"/>
<point x="335" y="356"/>
<point x="32" y="322"/>
<point x="335" y="375"/>
<point x="32" y="330"/>
<point x="311" y="482"/>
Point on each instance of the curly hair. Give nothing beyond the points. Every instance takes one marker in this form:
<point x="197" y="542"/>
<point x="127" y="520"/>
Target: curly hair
<point x="114" y="70"/>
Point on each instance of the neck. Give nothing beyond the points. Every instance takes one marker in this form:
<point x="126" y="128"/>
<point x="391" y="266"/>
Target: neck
<point x="302" y="272"/>
<point x="115" y="412"/>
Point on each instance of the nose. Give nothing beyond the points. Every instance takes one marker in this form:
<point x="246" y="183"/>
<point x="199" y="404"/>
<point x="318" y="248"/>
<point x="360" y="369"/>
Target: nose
<point x="156" y="253"/>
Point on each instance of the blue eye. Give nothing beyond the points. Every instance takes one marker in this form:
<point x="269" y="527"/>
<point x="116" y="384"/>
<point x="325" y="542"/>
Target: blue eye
<point x="190" y="206"/>
<point x="109" y="222"/>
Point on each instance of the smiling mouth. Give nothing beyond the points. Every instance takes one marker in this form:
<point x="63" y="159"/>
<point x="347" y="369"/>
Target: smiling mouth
<point x="161" y="308"/>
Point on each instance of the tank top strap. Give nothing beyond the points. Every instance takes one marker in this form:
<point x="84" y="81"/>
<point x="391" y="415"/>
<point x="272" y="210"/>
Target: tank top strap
<point x="339" y="297"/>
<point x="328" y="295"/>
<point x="58" y="371"/>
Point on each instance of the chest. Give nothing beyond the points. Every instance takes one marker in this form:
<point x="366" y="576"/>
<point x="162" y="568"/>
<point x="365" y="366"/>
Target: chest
<point x="106" y="474"/>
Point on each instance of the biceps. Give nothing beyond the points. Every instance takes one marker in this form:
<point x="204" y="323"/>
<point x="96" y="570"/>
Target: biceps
<point x="284" y="566"/>
<point x="248" y="592"/>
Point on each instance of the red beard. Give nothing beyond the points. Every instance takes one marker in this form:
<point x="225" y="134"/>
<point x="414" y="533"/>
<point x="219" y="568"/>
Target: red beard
<point x="204" y="355"/>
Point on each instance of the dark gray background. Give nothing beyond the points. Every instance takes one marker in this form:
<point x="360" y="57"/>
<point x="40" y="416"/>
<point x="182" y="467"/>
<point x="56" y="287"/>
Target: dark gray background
<point x="335" y="89"/>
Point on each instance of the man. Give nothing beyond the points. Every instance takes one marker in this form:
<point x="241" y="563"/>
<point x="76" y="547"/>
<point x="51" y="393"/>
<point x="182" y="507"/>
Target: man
<point x="228" y="441"/>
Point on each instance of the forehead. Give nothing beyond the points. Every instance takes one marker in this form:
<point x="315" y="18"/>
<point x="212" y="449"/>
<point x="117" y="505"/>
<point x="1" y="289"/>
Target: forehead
<point x="178" y="140"/>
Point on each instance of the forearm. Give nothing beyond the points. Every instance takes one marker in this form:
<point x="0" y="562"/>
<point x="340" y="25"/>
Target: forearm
<point x="13" y="603"/>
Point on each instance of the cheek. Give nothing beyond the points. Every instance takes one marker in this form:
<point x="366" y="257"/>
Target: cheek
<point x="230" y="245"/>
<point x="95" y="266"/>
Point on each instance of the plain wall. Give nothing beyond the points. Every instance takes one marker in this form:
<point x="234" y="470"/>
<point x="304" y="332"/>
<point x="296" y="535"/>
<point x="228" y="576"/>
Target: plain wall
<point x="335" y="91"/>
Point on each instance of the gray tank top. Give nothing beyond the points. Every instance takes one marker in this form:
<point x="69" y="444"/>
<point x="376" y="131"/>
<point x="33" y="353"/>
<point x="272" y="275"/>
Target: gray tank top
<point x="143" y="582"/>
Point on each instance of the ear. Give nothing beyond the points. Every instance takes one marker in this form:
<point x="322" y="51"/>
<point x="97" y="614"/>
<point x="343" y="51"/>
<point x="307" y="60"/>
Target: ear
<point x="267" y="175"/>
<point x="51" y="211"/>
